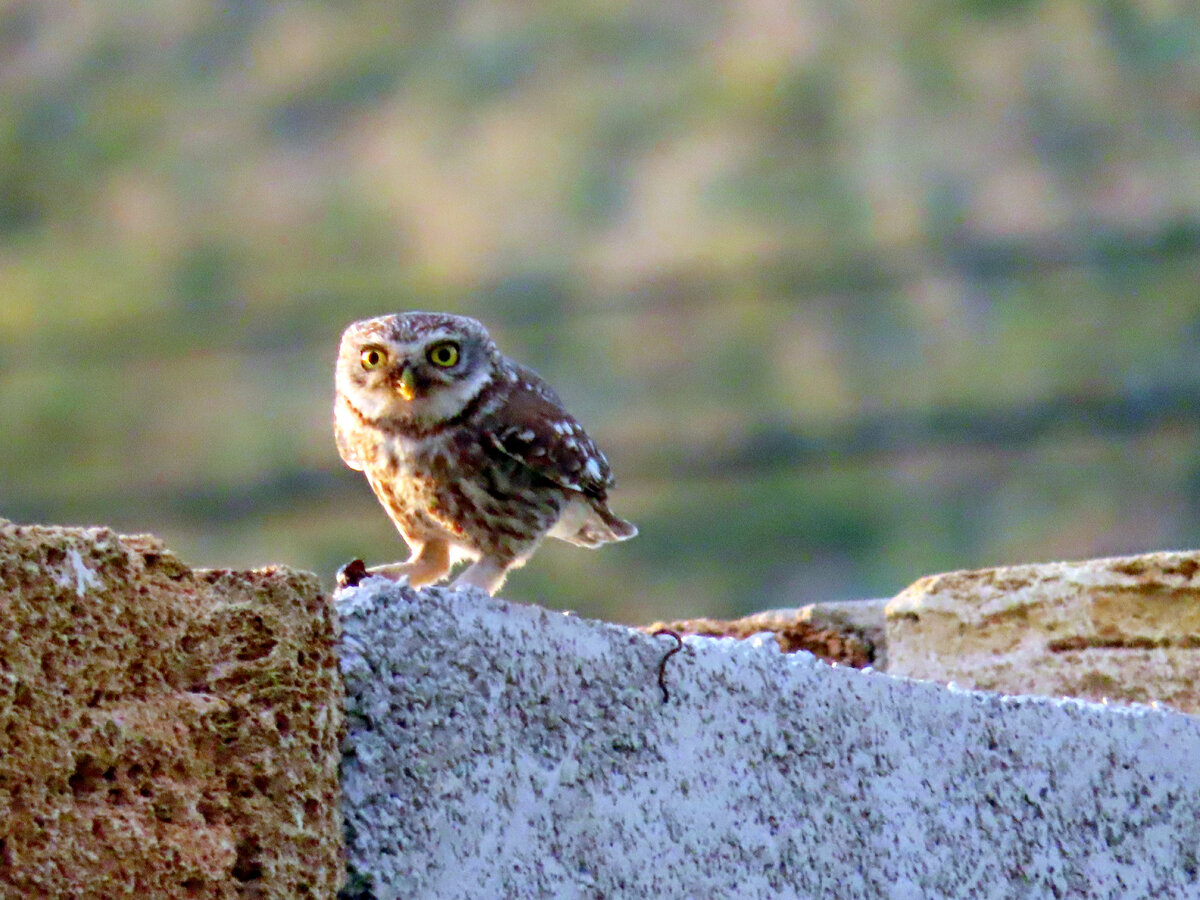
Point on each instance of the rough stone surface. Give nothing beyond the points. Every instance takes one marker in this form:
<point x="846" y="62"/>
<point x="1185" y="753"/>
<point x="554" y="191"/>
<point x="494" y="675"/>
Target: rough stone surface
<point x="1125" y="629"/>
<point x="863" y="619"/>
<point x="163" y="732"/>
<point x="496" y="750"/>
<point x="834" y="635"/>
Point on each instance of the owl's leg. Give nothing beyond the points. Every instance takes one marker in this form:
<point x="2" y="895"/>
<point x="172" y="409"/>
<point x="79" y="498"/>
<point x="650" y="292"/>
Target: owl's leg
<point x="487" y="573"/>
<point x="429" y="564"/>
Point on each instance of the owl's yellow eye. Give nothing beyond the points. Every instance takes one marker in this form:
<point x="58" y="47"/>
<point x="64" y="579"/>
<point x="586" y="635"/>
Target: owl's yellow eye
<point x="444" y="354"/>
<point x="372" y="358"/>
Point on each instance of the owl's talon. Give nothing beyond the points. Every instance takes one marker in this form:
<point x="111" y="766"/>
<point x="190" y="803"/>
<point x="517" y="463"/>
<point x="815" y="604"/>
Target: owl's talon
<point x="351" y="573"/>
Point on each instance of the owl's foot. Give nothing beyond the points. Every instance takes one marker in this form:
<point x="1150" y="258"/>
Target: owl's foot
<point x="356" y="570"/>
<point x="485" y="573"/>
<point x="429" y="565"/>
<point x="351" y="573"/>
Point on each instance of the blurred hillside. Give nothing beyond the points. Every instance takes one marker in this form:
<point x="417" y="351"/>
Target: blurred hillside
<point x="849" y="291"/>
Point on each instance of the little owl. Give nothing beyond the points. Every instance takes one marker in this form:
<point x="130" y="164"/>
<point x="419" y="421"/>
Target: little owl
<point x="471" y="454"/>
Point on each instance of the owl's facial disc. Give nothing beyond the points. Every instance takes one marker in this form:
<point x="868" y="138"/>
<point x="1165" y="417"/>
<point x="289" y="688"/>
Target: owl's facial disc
<point x="418" y="367"/>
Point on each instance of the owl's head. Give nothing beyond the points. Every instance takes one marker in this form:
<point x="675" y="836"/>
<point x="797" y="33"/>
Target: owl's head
<point x="422" y="367"/>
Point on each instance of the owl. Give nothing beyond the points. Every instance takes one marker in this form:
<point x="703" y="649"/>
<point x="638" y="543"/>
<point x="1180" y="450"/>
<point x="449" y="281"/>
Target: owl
<point x="471" y="454"/>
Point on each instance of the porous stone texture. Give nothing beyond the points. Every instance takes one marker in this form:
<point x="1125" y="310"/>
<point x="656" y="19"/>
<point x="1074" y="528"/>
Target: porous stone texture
<point x="163" y="732"/>
<point x="838" y="634"/>
<point x="497" y="750"/>
<point x="1125" y="629"/>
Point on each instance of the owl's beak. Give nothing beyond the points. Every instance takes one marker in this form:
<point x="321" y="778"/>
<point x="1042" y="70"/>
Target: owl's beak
<point x="408" y="384"/>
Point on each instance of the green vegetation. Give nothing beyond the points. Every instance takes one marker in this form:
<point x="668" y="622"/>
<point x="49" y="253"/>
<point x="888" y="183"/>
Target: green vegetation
<point x="848" y="293"/>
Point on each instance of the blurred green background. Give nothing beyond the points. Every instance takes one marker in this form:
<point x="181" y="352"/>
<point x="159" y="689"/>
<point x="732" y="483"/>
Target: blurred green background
<point x="849" y="291"/>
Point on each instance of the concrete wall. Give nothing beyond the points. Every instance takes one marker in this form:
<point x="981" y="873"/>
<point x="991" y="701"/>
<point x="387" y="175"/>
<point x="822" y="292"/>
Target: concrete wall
<point x="499" y="750"/>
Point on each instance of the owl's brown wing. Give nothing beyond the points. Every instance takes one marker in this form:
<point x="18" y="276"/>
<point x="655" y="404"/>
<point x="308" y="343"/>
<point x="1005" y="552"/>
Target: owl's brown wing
<point x="533" y="428"/>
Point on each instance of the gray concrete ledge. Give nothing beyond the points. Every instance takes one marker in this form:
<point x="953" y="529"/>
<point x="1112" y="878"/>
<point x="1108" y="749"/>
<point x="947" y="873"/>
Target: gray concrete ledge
<point x="499" y="750"/>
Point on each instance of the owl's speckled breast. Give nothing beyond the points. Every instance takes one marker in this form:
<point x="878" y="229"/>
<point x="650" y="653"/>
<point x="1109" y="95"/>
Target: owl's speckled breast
<point x="451" y="487"/>
<point x="403" y="474"/>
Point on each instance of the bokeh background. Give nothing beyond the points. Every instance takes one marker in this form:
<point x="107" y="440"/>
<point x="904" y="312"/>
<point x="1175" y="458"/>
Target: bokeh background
<point x="850" y="291"/>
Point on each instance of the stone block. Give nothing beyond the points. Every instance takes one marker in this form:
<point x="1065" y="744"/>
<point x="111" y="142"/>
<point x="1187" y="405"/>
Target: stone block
<point x="1124" y="629"/>
<point x="164" y="732"/>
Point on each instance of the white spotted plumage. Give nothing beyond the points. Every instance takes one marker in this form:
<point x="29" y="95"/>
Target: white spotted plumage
<point x="472" y="455"/>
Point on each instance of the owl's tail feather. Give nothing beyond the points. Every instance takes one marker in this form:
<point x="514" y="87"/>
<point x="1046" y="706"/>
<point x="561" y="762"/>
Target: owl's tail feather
<point x="618" y="529"/>
<point x="592" y="524"/>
